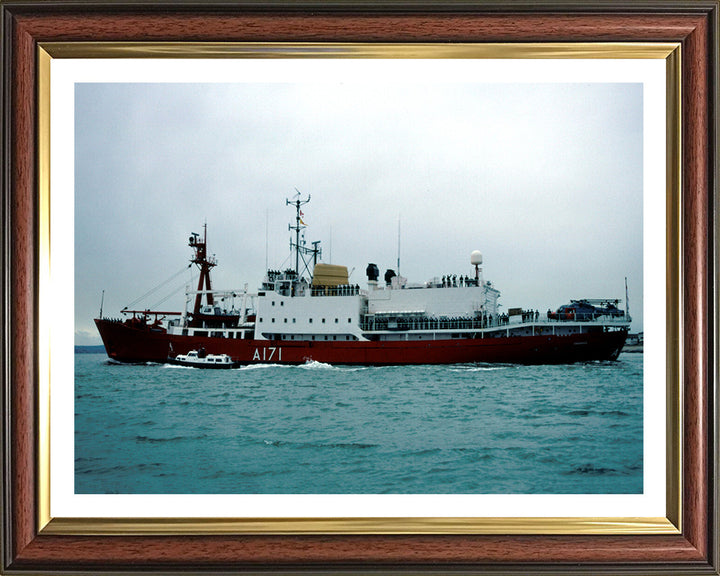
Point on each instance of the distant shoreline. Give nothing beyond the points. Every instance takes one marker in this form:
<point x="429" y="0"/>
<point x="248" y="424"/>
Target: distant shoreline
<point x="100" y="349"/>
<point x="634" y="348"/>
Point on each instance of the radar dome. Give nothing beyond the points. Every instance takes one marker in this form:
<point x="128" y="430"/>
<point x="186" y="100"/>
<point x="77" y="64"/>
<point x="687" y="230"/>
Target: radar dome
<point x="476" y="258"/>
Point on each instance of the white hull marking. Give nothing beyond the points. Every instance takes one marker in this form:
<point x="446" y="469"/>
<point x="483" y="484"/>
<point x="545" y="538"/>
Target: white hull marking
<point x="265" y="356"/>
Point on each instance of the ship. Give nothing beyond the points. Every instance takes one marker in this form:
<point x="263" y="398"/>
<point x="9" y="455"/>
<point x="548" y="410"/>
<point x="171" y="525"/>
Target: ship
<point x="314" y="313"/>
<point x="201" y="359"/>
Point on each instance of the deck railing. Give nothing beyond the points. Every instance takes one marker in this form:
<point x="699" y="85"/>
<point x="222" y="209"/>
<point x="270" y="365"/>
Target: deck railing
<point x="344" y="290"/>
<point x="375" y="323"/>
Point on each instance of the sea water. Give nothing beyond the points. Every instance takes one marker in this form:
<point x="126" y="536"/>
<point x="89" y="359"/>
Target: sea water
<point x="318" y="428"/>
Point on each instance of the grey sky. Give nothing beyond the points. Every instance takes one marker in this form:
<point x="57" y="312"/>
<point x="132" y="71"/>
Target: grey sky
<point x="544" y="179"/>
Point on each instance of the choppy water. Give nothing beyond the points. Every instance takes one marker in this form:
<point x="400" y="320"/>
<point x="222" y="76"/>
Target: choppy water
<point x="324" y="429"/>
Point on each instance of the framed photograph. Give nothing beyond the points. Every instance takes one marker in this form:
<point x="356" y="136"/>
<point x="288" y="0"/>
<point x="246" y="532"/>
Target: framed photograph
<point x="458" y="263"/>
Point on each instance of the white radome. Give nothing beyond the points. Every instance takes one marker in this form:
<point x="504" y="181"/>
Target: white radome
<point x="476" y="258"/>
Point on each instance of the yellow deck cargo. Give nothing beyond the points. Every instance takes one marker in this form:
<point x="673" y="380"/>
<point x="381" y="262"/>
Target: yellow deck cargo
<point x="330" y="275"/>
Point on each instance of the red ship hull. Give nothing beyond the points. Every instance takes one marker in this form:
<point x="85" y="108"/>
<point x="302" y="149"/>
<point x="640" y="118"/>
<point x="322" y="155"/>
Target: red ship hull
<point x="126" y="343"/>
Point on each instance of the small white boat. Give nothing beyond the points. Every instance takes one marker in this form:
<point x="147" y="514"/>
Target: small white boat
<point x="201" y="359"/>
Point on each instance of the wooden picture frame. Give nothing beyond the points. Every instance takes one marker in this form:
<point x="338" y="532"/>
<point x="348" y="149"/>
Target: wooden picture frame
<point x="28" y="547"/>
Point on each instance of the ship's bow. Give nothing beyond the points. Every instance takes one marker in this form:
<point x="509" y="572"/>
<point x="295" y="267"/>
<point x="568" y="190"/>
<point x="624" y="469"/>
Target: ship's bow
<point x="127" y="343"/>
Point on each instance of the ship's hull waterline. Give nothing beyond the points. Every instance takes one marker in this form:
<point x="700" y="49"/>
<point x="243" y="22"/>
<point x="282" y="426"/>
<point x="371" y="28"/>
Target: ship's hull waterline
<point x="132" y="344"/>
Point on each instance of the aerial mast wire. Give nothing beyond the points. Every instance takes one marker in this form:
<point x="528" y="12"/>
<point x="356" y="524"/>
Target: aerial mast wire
<point x="156" y="288"/>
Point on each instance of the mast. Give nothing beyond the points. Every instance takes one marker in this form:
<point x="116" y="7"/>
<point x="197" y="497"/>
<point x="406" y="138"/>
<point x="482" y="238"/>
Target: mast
<point x="398" y="261"/>
<point x="627" y="301"/>
<point x="299" y="225"/>
<point x="201" y="259"/>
